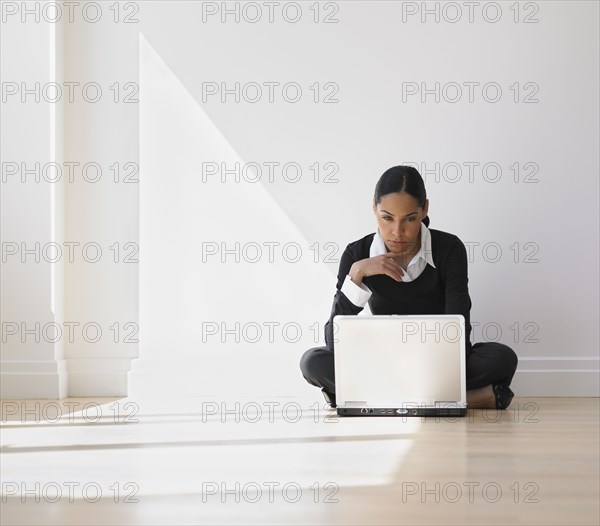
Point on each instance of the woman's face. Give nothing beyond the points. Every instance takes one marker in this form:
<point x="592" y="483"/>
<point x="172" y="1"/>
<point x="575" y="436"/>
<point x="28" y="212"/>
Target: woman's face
<point x="399" y="218"/>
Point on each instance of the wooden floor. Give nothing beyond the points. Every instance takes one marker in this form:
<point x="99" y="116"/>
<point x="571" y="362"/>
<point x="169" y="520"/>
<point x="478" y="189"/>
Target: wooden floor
<point x="290" y="461"/>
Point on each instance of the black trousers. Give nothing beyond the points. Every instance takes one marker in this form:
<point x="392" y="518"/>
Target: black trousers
<point x="487" y="363"/>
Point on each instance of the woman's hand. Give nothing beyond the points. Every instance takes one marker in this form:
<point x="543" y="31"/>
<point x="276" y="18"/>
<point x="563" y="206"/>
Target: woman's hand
<point x="382" y="264"/>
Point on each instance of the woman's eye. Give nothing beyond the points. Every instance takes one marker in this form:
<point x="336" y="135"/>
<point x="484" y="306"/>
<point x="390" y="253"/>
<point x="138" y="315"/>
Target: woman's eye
<point x="387" y="218"/>
<point x="411" y="218"/>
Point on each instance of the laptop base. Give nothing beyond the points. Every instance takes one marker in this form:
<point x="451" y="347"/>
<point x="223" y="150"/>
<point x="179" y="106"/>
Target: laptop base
<point x="393" y="411"/>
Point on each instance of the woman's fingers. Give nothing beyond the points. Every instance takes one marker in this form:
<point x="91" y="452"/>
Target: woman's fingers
<point x="383" y="264"/>
<point x="394" y="270"/>
<point x="392" y="257"/>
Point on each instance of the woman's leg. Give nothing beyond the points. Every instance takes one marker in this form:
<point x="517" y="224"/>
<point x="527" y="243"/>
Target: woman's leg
<point x="317" y="368"/>
<point x="489" y="363"/>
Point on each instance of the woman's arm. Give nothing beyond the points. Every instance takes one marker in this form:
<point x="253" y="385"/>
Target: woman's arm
<point x="456" y="284"/>
<point x="341" y="302"/>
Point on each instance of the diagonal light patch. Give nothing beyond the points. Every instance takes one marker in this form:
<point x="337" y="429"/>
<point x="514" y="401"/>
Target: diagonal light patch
<point x="259" y="316"/>
<point x="178" y="292"/>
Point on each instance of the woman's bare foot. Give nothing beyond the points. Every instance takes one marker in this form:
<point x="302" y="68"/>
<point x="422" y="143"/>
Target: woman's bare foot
<point x="482" y="398"/>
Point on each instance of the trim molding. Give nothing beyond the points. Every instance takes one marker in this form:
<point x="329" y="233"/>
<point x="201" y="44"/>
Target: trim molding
<point x="98" y="377"/>
<point x="30" y="379"/>
<point x="55" y="379"/>
<point x="561" y="376"/>
<point x="80" y="377"/>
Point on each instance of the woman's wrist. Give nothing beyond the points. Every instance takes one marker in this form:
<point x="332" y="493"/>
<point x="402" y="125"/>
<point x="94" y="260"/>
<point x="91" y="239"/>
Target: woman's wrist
<point x="356" y="275"/>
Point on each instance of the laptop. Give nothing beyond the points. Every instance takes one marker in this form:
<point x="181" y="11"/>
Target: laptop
<point x="400" y="365"/>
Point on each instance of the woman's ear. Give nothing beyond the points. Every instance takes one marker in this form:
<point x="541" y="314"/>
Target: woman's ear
<point x="425" y="208"/>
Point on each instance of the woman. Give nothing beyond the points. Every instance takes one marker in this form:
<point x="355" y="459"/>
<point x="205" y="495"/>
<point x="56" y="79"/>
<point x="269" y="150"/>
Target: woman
<point x="407" y="268"/>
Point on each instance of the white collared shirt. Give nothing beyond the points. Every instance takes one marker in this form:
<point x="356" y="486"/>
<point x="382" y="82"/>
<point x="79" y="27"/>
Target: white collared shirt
<point x="360" y="294"/>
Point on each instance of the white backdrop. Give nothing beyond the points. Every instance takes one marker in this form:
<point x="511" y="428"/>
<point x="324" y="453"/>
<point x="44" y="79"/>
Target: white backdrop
<point x="495" y="102"/>
<point x="515" y="179"/>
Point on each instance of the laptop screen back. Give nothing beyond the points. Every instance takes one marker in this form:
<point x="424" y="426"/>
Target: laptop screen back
<point x="390" y="360"/>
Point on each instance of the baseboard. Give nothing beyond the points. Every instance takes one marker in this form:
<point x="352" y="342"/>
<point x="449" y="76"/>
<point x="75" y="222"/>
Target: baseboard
<point x="537" y="376"/>
<point x="78" y="377"/>
<point x="33" y="379"/>
<point x="548" y="376"/>
<point x="56" y="379"/>
<point x="98" y="377"/>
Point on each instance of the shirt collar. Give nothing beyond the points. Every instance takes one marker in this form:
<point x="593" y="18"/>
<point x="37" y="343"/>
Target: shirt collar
<point x="378" y="246"/>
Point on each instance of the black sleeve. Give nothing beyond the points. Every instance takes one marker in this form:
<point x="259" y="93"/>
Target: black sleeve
<point x="341" y="304"/>
<point x="456" y="283"/>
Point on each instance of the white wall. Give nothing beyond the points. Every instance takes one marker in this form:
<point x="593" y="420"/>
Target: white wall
<point x="541" y="293"/>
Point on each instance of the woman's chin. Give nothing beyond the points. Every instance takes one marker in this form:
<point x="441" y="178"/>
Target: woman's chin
<point x="397" y="249"/>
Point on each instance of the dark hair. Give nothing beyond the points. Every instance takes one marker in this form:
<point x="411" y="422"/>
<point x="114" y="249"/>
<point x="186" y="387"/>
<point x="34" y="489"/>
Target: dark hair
<point x="402" y="179"/>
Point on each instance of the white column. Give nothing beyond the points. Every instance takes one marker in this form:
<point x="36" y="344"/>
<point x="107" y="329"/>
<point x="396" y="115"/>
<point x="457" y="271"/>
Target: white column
<point x="32" y="361"/>
<point x="101" y="205"/>
<point x="82" y="310"/>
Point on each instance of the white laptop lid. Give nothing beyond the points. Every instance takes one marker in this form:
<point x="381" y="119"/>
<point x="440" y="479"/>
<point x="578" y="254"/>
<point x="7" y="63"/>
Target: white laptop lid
<point x="391" y="360"/>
